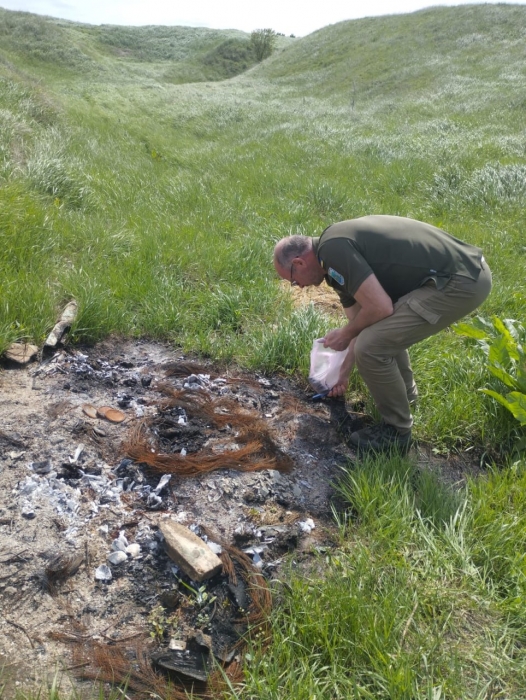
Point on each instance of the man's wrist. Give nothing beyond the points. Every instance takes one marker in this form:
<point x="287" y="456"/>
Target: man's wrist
<point x="349" y="331"/>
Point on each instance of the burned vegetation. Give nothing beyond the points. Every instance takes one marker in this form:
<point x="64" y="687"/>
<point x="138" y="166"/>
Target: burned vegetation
<point x="224" y="436"/>
<point x="196" y="625"/>
<point x="241" y="463"/>
<point x="196" y="639"/>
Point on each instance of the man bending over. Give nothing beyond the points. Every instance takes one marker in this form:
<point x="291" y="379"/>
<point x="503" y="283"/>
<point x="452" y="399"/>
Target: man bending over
<point x="399" y="281"/>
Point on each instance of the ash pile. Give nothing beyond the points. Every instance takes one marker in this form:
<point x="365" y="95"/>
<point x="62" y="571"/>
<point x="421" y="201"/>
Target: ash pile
<point x="241" y="463"/>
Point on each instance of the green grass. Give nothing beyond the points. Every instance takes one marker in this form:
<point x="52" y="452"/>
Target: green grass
<point x="63" y="50"/>
<point x="422" y="599"/>
<point x="138" y="181"/>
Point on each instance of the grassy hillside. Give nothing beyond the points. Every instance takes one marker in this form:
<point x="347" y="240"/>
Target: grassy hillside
<point x="407" y="54"/>
<point x="155" y="199"/>
<point x="157" y="204"/>
<point x="173" y="54"/>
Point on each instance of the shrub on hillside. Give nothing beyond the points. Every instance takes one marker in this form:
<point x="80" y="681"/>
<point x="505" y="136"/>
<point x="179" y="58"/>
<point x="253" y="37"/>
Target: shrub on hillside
<point x="263" y="42"/>
<point x="232" y="57"/>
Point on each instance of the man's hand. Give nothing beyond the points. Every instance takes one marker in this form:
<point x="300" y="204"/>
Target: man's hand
<point x="338" y="339"/>
<point x="338" y="390"/>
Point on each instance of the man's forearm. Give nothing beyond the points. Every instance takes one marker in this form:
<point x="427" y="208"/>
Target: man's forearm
<point x="363" y="319"/>
<point x="348" y="362"/>
<point x="373" y="304"/>
<point x="340" y="338"/>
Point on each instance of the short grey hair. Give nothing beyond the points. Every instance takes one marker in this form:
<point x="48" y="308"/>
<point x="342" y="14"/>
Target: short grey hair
<point x="292" y="247"/>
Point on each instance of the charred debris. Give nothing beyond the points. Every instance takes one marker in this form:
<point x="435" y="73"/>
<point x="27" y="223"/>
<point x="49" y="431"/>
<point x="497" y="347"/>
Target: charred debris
<point x="181" y="422"/>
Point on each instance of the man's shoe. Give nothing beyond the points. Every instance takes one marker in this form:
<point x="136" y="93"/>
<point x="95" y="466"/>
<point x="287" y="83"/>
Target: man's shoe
<point x="381" y="438"/>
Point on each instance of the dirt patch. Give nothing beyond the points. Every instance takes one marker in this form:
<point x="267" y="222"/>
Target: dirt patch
<point x="75" y="485"/>
<point x="246" y="462"/>
<point x="323" y="297"/>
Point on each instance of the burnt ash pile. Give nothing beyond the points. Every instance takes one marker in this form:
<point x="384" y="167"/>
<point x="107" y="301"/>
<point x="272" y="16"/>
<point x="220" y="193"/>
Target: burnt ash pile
<point x="246" y="462"/>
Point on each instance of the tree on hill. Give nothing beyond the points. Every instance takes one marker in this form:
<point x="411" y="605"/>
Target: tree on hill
<point x="263" y="42"/>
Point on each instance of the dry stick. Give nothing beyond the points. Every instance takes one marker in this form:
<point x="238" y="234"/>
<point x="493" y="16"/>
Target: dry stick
<point x="10" y="622"/>
<point x="123" y="639"/>
<point x="13" y="557"/>
<point x="71" y="668"/>
<point x="121" y="691"/>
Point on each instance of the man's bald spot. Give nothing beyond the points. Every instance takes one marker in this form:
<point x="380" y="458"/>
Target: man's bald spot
<point x="291" y="247"/>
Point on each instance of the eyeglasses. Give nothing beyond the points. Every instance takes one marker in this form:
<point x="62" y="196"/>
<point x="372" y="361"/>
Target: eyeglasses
<point x="293" y="283"/>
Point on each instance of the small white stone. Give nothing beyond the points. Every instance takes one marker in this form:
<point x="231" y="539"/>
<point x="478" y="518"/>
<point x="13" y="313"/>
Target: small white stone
<point x="103" y="573"/>
<point x="117" y="558"/>
<point x="307" y="525"/>
<point x="119" y="544"/>
<point x="78" y="452"/>
<point x="29" y="486"/>
<point x="133" y="550"/>
<point x="216" y="548"/>
<point x="72" y="505"/>
<point x="164" y="481"/>
<point x="177" y="644"/>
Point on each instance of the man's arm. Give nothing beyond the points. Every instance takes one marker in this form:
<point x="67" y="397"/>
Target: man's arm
<point x="374" y="305"/>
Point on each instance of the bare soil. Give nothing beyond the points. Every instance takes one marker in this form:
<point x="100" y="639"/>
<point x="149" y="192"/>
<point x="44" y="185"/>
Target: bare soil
<point x="70" y="491"/>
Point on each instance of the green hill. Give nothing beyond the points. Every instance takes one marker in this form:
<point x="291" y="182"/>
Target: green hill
<point x="373" y="57"/>
<point x="148" y="172"/>
<point x="400" y="54"/>
<point x="137" y="180"/>
<point x="173" y="54"/>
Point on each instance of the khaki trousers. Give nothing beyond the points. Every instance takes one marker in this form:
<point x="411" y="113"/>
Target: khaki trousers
<point x="381" y="349"/>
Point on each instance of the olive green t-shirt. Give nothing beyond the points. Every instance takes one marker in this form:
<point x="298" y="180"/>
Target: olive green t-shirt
<point x="403" y="254"/>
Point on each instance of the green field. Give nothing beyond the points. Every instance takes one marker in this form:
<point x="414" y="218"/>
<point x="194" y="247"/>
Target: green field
<point x="148" y="172"/>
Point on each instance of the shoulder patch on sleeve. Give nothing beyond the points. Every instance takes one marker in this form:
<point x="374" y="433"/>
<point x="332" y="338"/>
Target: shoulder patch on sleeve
<point x="336" y="276"/>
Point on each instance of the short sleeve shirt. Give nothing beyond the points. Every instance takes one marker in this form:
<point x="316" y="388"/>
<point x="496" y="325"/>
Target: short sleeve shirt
<point x="402" y="253"/>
